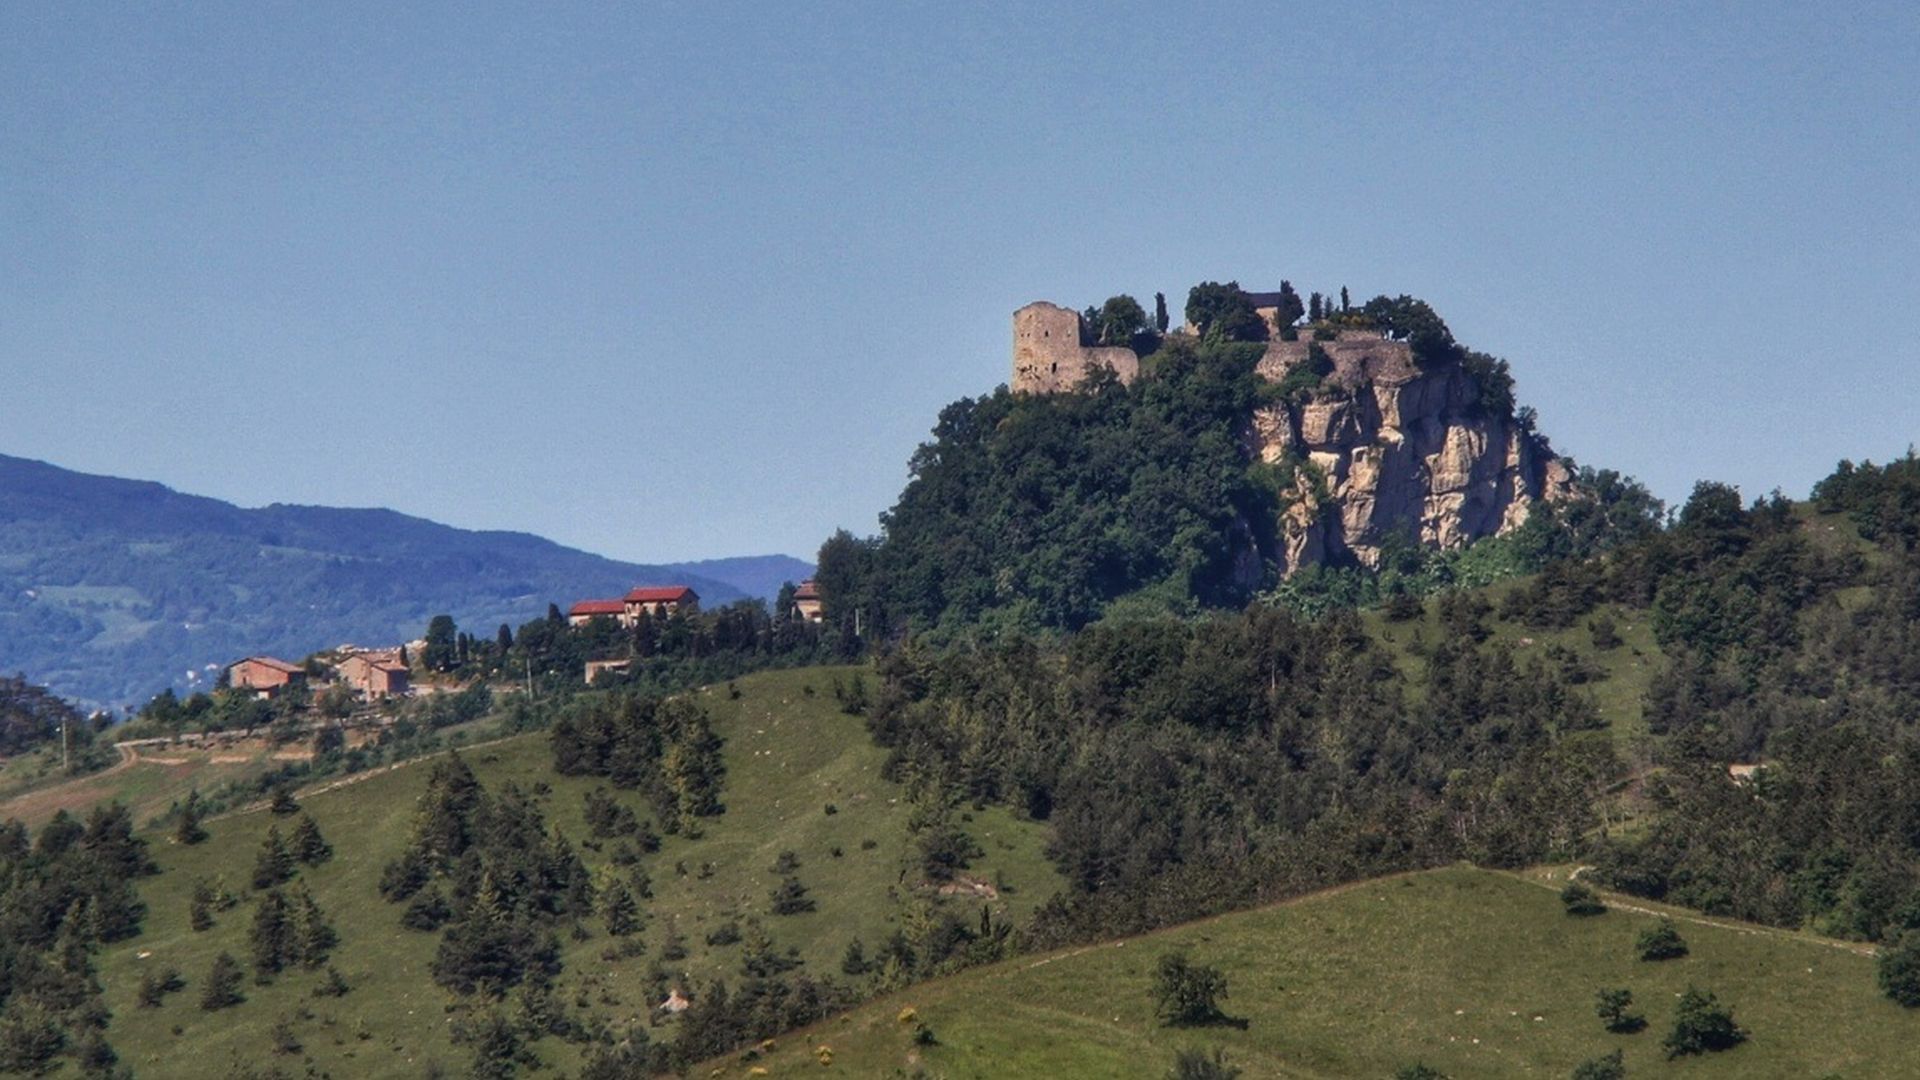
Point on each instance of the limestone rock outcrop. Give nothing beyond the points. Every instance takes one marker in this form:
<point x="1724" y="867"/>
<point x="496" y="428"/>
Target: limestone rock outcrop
<point x="1383" y="445"/>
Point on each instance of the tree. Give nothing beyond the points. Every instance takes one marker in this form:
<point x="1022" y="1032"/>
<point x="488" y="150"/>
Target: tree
<point x="308" y="845"/>
<point x="1346" y="302"/>
<point x="1611" y="1006"/>
<point x="1198" y="1064"/>
<point x="1185" y="994"/>
<point x="274" y="865"/>
<point x="1581" y="900"/>
<point x="1290" y="308"/>
<point x="854" y="961"/>
<point x="272" y="937"/>
<point x="1606" y="1067"/>
<point x="1118" y="320"/>
<point x="1160" y="319"/>
<point x="619" y="909"/>
<point x="30" y="1036"/>
<point x="283" y="802"/>
<point x="1898" y="969"/>
<point x="1419" y="1071"/>
<point x="200" y="906"/>
<point x="313" y="937"/>
<point x="1314" y="311"/>
<point x="188" y="830"/>
<point x="1224" y="313"/>
<point x="790" y="897"/>
<point x="222" y="987"/>
<point x="503" y="639"/>
<point x="1701" y="1024"/>
<point x="443" y="643"/>
<point x="1661" y="942"/>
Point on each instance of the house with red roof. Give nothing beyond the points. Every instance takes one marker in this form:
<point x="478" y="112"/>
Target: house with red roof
<point x="586" y="611"/>
<point x="661" y="600"/>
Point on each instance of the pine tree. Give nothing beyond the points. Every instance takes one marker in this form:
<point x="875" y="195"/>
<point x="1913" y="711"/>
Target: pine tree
<point x="313" y="937"/>
<point x="272" y="937"/>
<point x="854" y="960"/>
<point x="283" y="802"/>
<point x="308" y="845"/>
<point x="274" y="865"/>
<point x="222" y="987"/>
<point x="200" y="906"/>
<point x="618" y="908"/>
<point x="790" y="897"/>
<point x="188" y="830"/>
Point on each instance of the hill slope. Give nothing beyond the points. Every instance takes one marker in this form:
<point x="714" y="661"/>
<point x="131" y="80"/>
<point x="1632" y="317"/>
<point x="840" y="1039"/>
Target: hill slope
<point x="1473" y="972"/>
<point x="789" y="753"/>
<point x="110" y="588"/>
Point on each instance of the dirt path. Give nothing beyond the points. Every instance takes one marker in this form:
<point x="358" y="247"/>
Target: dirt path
<point x="362" y="776"/>
<point x="1624" y="902"/>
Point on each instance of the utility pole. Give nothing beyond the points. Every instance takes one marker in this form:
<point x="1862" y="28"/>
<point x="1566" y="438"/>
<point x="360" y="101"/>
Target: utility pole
<point x="66" y="761"/>
<point x="529" y="678"/>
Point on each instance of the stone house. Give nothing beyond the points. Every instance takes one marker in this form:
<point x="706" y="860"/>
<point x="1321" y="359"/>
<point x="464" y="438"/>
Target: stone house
<point x="373" y="675"/>
<point x="586" y="611"/>
<point x="266" y="676"/>
<point x="660" y="600"/>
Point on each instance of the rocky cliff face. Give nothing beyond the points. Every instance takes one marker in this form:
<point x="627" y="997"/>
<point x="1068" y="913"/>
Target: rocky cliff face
<point x="1380" y="444"/>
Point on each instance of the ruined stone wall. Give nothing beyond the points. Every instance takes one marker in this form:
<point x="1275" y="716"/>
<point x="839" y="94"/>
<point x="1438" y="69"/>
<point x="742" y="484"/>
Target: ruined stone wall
<point x="1048" y="356"/>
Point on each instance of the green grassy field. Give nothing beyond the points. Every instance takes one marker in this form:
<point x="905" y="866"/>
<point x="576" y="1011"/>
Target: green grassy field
<point x="789" y="753"/>
<point x="1475" y="973"/>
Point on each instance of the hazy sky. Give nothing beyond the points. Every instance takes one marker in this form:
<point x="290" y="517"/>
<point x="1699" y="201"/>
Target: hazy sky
<point x="673" y="281"/>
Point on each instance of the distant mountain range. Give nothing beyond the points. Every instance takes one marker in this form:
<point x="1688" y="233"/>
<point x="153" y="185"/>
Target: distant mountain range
<point x="112" y="589"/>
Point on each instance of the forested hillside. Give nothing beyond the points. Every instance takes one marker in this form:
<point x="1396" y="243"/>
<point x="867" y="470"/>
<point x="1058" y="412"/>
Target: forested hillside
<point x="112" y="589"/>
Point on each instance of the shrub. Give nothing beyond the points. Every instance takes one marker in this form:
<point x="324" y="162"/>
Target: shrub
<point x="1898" y="969"/>
<point x="1612" y="1005"/>
<point x="1201" y="1065"/>
<point x="1661" y="942"/>
<point x="1185" y="994"/>
<point x="1419" y="1072"/>
<point x="1606" y="1067"/>
<point x="1701" y="1024"/>
<point x="1581" y="900"/>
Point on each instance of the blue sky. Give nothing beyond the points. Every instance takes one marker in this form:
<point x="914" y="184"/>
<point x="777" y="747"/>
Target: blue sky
<point x="674" y="281"/>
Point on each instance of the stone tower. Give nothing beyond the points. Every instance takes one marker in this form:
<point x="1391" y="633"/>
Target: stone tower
<point x="1048" y="356"/>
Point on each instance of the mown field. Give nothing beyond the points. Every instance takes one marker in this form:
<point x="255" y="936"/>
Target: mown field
<point x="1474" y="973"/>
<point x="790" y="752"/>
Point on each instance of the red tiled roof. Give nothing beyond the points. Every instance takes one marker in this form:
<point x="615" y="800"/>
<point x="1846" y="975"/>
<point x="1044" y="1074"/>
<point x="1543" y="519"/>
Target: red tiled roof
<point x="268" y="661"/>
<point x="666" y="594"/>
<point x="598" y="607"/>
<point x="807" y="591"/>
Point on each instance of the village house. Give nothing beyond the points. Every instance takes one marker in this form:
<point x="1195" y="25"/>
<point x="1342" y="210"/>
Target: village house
<point x="373" y="674"/>
<point x="266" y="676"/>
<point x="655" y="600"/>
<point x="806" y="600"/>
<point x="586" y="611"/>
<point x="663" y="600"/>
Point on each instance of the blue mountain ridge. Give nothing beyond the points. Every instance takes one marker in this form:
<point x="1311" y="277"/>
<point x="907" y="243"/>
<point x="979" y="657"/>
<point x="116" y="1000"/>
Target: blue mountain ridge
<point x="112" y="589"/>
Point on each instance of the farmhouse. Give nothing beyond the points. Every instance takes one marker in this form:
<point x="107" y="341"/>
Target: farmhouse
<point x="373" y="674"/>
<point x="595" y="667"/>
<point x="266" y="676"/>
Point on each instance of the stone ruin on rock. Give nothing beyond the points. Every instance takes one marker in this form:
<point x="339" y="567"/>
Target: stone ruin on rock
<point x="1384" y="445"/>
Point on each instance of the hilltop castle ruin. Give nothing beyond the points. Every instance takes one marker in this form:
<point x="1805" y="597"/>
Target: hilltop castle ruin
<point x="1379" y="445"/>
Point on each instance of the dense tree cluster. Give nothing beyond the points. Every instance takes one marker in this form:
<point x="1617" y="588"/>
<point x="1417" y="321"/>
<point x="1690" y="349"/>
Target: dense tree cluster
<point x="665" y="748"/>
<point x="63" y="892"/>
<point x="487" y="868"/>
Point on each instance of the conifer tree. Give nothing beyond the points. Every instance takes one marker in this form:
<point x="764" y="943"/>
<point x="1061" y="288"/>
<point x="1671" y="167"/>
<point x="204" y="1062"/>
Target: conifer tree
<point x="188" y="830"/>
<point x="283" y="802"/>
<point x="200" y="906"/>
<point x="313" y="937"/>
<point x="274" y="865"/>
<point x="308" y="845"/>
<point x="222" y="987"/>
<point x="618" y="908"/>
<point x="272" y="937"/>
